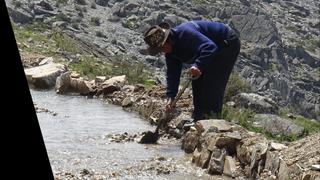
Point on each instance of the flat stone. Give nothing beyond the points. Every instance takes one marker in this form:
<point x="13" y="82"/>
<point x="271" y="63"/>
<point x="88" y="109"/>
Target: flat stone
<point x="277" y="146"/>
<point x="220" y="125"/>
<point x="229" y="168"/>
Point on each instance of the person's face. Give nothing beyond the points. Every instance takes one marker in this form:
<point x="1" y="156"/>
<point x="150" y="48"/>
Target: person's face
<point x="167" y="47"/>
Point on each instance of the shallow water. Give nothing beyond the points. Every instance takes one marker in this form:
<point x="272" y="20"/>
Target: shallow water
<point x="78" y="147"/>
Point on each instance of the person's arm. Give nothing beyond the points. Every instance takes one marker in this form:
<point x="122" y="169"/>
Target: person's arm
<point x="204" y="48"/>
<point x="174" y="68"/>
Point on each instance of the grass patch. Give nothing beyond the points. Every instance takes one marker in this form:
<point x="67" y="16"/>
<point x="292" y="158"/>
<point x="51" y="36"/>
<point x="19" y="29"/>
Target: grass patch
<point x="65" y="43"/>
<point x="235" y="86"/>
<point x="95" y="21"/>
<point x="245" y="119"/>
<point x="92" y="67"/>
<point x="32" y="38"/>
<point x="199" y="1"/>
<point x="310" y="126"/>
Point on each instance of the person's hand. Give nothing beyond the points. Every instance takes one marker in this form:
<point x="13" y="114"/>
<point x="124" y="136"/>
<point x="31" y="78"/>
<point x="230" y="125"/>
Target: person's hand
<point x="195" y="72"/>
<point x="169" y="105"/>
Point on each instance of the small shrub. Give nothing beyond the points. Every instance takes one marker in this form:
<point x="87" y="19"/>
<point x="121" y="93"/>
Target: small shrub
<point x="75" y="25"/>
<point x="63" y="17"/>
<point x="80" y="2"/>
<point x="100" y="34"/>
<point x="65" y="43"/>
<point x="95" y="21"/>
<point x="17" y="4"/>
<point x="235" y="86"/>
<point x="93" y="5"/>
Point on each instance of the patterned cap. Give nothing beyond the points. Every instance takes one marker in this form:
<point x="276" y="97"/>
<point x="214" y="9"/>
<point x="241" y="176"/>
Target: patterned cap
<point x="156" y="36"/>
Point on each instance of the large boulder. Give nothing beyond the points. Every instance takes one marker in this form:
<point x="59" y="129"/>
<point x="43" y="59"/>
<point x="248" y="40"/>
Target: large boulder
<point x="44" y="77"/>
<point x="66" y="83"/>
<point x="111" y="85"/>
<point x="257" y="103"/>
<point x="276" y="125"/>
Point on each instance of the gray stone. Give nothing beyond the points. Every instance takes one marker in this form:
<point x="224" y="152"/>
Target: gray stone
<point x="277" y="125"/>
<point x="272" y="162"/>
<point x="204" y="158"/>
<point x="257" y="103"/>
<point x="190" y="141"/>
<point x="126" y="102"/>
<point x="45" y="76"/>
<point x="20" y="16"/>
<point x="216" y="163"/>
<point x="229" y="168"/>
<point x="218" y="124"/>
<point x="277" y="146"/>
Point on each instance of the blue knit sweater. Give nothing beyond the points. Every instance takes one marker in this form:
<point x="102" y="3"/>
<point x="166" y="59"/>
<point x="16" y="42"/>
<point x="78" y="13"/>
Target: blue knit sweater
<point x="193" y="43"/>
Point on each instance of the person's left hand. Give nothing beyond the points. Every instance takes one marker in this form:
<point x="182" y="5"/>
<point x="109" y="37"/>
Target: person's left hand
<point x="195" y="72"/>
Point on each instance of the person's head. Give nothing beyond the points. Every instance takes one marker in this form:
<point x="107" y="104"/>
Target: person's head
<point x="156" y="37"/>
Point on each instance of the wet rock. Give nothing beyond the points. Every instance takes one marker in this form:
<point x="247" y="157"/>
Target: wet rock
<point x="127" y="102"/>
<point x="229" y="141"/>
<point x="81" y="86"/>
<point x="45" y="110"/>
<point x="44" y="77"/>
<point x="190" y="141"/>
<point x="66" y="84"/>
<point x="111" y="85"/>
<point x="229" y="168"/>
<point x="216" y="163"/>
<point x="204" y="158"/>
<point x="63" y="83"/>
<point x="120" y="138"/>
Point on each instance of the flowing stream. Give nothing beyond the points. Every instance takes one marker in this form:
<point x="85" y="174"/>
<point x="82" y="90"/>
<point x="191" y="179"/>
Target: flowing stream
<point x="78" y="145"/>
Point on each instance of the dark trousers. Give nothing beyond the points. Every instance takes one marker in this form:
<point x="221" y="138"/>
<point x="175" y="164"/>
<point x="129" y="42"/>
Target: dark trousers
<point x="208" y="90"/>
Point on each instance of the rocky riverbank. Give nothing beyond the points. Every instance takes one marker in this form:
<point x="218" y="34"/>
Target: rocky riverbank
<point x="221" y="147"/>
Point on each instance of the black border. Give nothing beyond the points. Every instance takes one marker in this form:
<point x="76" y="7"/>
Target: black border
<point x="24" y="149"/>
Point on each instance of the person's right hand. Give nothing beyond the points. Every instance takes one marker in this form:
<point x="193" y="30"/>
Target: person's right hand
<point x="195" y="72"/>
<point x="169" y="105"/>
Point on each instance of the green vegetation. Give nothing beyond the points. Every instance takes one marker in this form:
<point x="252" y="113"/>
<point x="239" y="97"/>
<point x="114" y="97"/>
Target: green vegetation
<point x="63" y="17"/>
<point x="309" y="125"/>
<point x="62" y="2"/>
<point x="242" y="117"/>
<point x="17" y="4"/>
<point x="100" y="34"/>
<point x="199" y="1"/>
<point x="92" y="67"/>
<point x="95" y="21"/>
<point x="93" y="5"/>
<point x="310" y="44"/>
<point x="55" y="43"/>
<point x="81" y="2"/>
<point x="65" y="43"/>
<point x="235" y="86"/>
<point x="130" y="23"/>
<point x="245" y="119"/>
<point x="292" y="28"/>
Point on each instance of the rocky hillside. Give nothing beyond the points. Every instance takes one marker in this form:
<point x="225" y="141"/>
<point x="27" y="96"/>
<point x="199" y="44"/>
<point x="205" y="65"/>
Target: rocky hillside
<point x="280" y="53"/>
